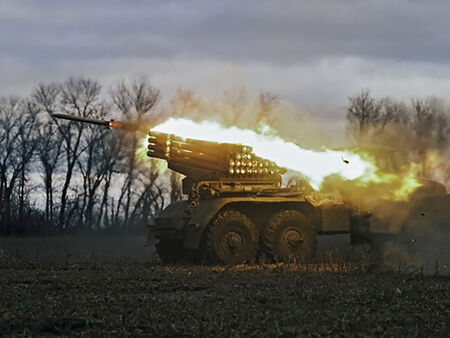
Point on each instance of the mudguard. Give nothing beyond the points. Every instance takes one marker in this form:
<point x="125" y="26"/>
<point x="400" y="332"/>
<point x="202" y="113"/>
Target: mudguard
<point x="170" y="222"/>
<point x="177" y="209"/>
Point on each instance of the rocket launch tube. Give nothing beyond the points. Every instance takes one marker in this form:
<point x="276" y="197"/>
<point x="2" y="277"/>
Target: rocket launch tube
<point x="195" y="145"/>
<point x="216" y="164"/>
<point x="194" y="165"/>
<point x="212" y="150"/>
<point x="219" y="158"/>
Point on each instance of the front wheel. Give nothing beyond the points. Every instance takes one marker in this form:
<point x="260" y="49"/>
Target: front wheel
<point x="231" y="238"/>
<point x="290" y="236"/>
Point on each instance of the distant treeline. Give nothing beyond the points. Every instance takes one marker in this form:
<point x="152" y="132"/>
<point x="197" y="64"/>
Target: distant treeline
<point x="420" y="129"/>
<point x="61" y="176"/>
<point x="66" y="176"/>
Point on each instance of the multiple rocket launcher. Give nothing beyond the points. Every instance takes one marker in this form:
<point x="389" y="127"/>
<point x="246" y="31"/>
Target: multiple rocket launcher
<point x="210" y="160"/>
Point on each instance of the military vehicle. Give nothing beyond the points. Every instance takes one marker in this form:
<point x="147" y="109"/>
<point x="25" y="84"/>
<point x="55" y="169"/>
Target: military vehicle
<point x="237" y="210"/>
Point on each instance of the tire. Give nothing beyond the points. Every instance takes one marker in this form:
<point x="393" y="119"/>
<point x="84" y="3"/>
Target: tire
<point x="290" y="236"/>
<point x="231" y="238"/>
<point x="170" y="252"/>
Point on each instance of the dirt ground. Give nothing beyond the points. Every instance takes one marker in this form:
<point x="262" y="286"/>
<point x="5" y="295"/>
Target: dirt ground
<point x="114" y="287"/>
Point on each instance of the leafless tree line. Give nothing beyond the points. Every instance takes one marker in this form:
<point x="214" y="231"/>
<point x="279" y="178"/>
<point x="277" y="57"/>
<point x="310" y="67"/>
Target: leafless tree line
<point x="416" y="127"/>
<point x="90" y="176"/>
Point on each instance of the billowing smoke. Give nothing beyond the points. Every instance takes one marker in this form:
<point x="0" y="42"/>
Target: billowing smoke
<point x="240" y="109"/>
<point x="419" y="132"/>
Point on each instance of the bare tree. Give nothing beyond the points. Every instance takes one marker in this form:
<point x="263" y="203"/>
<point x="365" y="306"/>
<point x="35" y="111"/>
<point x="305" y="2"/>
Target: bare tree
<point x="92" y="164"/>
<point x="9" y="110"/>
<point x="267" y="103"/>
<point x="430" y="121"/>
<point x="135" y="100"/>
<point x="367" y="116"/>
<point x="149" y="200"/>
<point x="79" y="96"/>
<point x="431" y="124"/>
<point x="415" y="129"/>
<point x="234" y="103"/>
<point x="362" y="113"/>
<point x="184" y="102"/>
<point x="49" y="142"/>
<point x="76" y="96"/>
<point x="27" y="144"/>
<point x="110" y="156"/>
<point x="17" y="146"/>
<point x="49" y="152"/>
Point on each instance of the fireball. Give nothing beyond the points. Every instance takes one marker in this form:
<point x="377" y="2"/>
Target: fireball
<point x="314" y="165"/>
<point x="358" y="169"/>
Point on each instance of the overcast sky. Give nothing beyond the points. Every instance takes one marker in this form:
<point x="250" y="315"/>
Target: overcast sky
<point x="315" y="53"/>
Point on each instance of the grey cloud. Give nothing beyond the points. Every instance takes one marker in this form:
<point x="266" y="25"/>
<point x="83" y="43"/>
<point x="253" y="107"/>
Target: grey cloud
<point x="276" y="32"/>
<point x="315" y="53"/>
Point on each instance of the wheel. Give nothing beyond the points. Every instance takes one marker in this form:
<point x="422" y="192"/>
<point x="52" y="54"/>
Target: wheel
<point x="289" y="236"/>
<point x="231" y="238"/>
<point x="170" y="251"/>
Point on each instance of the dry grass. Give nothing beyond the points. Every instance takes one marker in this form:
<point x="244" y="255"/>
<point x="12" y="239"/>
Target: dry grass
<point x="118" y="289"/>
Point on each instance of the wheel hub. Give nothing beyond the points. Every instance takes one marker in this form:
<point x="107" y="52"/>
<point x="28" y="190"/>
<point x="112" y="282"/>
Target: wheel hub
<point x="234" y="240"/>
<point x="293" y="238"/>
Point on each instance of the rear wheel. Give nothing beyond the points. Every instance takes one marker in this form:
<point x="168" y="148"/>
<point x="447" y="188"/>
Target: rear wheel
<point x="231" y="238"/>
<point x="290" y="236"/>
